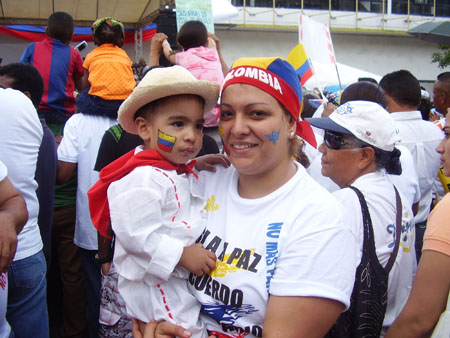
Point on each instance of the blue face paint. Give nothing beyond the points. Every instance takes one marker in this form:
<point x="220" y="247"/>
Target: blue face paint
<point x="273" y="137"/>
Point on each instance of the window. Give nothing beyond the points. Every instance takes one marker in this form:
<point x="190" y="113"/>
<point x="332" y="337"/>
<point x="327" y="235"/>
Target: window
<point x="416" y="7"/>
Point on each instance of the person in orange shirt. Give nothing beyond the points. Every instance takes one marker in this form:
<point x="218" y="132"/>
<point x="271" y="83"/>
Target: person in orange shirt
<point x="429" y="295"/>
<point x="108" y="71"/>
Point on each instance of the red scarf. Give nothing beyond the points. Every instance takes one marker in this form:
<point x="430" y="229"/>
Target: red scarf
<point x="98" y="197"/>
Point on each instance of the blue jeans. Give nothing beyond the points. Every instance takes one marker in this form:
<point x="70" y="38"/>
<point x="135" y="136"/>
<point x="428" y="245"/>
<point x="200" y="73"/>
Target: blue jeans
<point x="27" y="304"/>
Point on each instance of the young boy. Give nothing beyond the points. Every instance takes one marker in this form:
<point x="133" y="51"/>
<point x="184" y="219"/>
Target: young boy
<point x="60" y="66"/>
<point x="154" y="215"/>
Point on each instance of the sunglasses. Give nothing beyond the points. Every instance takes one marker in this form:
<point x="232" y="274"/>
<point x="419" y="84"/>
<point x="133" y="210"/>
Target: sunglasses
<point x="334" y="141"/>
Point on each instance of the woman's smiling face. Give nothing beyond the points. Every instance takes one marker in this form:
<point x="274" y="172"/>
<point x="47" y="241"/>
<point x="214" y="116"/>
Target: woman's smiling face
<point x="444" y="148"/>
<point x="255" y="129"/>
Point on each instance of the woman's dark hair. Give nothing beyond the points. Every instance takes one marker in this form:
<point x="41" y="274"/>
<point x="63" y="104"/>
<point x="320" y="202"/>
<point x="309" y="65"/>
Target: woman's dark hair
<point x="107" y="33"/>
<point x="192" y="34"/>
<point x="388" y="160"/>
<point x="363" y="91"/>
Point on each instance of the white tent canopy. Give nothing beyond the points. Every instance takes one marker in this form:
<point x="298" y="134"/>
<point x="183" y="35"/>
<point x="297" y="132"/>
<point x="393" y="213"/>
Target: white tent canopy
<point x="133" y="13"/>
<point x="325" y="75"/>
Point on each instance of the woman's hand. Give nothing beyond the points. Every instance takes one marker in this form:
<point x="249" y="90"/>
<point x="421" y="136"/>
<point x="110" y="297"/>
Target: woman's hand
<point x="158" y="330"/>
<point x="328" y="109"/>
<point x="206" y="162"/>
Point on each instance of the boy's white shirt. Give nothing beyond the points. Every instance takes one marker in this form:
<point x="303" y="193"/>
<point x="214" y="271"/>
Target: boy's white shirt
<point x="154" y="215"/>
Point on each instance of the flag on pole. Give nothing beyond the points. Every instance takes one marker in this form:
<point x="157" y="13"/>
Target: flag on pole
<point x="315" y="37"/>
<point x="301" y="63"/>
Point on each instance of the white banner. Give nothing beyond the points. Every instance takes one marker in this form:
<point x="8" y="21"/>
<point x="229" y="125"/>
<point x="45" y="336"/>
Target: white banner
<point x="200" y="10"/>
<point x="315" y="37"/>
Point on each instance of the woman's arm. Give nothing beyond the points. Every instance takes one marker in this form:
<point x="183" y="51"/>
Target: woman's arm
<point x="168" y="52"/>
<point x="428" y="297"/>
<point x="13" y="216"/>
<point x="156" y="49"/>
<point x="216" y="41"/>
<point x="297" y="317"/>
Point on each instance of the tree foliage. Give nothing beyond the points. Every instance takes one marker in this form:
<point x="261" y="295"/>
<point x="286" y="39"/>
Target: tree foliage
<point x="443" y="57"/>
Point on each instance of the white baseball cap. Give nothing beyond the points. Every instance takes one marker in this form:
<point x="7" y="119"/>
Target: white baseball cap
<point x="366" y="121"/>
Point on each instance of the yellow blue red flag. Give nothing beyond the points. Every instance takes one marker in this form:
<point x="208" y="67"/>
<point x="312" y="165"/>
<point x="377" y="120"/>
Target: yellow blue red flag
<point x="301" y="63"/>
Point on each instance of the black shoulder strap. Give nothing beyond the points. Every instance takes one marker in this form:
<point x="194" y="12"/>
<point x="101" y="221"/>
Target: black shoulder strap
<point x="369" y="238"/>
<point x="398" y="231"/>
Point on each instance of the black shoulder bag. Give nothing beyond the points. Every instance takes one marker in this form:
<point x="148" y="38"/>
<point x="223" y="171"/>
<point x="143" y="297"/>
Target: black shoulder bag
<point x="368" y="302"/>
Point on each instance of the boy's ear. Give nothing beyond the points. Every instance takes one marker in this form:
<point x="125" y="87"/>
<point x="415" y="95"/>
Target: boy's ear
<point x="143" y="128"/>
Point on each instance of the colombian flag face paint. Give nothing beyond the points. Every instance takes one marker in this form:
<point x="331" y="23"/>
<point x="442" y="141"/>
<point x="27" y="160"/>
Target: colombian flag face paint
<point x="166" y="142"/>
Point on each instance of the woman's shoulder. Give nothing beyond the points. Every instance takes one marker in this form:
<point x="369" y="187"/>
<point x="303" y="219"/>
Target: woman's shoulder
<point x="437" y="234"/>
<point x="307" y="184"/>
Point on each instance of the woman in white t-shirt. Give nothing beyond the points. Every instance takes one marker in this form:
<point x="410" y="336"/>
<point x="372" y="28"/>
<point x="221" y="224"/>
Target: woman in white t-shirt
<point x="358" y="152"/>
<point x="285" y="257"/>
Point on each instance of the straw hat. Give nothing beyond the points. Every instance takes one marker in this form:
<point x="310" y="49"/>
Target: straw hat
<point x="163" y="82"/>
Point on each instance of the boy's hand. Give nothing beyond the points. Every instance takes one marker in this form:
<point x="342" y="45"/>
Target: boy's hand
<point x="105" y="268"/>
<point x="197" y="259"/>
<point x="206" y="162"/>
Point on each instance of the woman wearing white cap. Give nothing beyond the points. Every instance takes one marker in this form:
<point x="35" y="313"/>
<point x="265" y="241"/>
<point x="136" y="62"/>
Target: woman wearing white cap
<point x="357" y="153"/>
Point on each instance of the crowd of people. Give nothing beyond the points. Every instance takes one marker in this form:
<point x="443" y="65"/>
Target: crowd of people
<point x="200" y="200"/>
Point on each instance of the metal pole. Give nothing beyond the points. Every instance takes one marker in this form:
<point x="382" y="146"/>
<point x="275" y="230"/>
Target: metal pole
<point x="138" y="43"/>
<point x="329" y="13"/>
<point x="244" y="12"/>
<point x="273" y="12"/>
<point x="408" y="13"/>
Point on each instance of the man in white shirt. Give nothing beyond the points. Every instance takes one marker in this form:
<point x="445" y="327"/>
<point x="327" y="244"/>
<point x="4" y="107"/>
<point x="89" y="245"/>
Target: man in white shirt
<point x="402" y="92"/>
<point x="20" y="139"/>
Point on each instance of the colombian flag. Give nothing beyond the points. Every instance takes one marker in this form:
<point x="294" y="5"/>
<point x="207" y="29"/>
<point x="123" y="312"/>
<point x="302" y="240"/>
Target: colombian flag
<point x="302" y="64"/>
<point x="37" y="33"/>
<point x="165" y="142"/>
